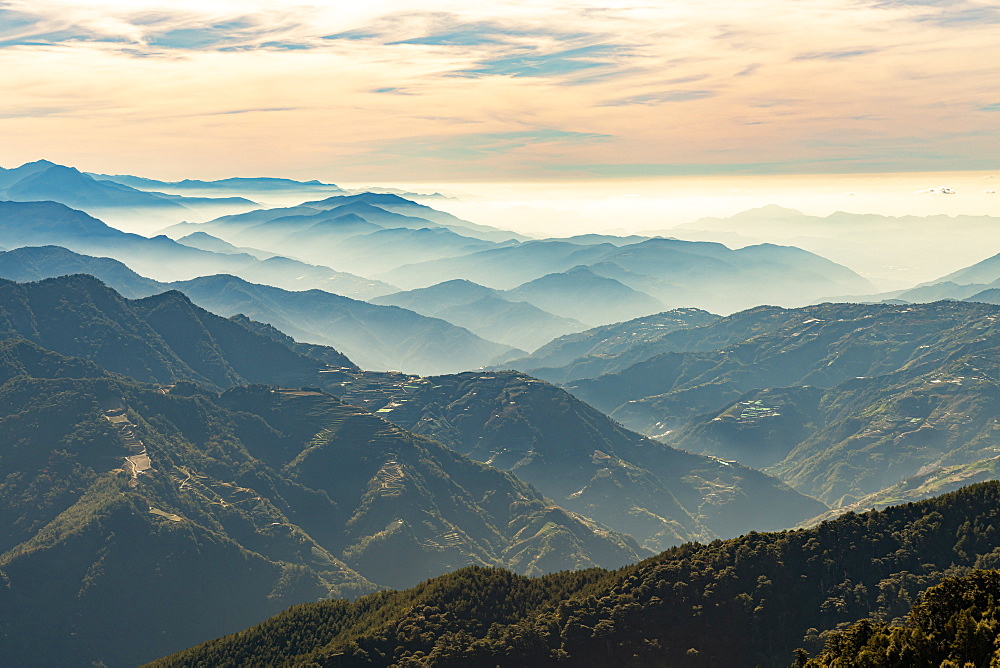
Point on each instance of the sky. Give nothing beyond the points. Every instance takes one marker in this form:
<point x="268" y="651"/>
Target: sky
<point x="504" y="91"/>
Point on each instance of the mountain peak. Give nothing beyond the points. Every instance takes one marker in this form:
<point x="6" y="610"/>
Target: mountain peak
<point x="40" y="163"/>
<point x="768" y="212"/>
<point x="581" y="270"/>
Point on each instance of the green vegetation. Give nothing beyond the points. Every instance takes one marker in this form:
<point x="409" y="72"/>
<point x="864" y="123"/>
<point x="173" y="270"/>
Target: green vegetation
<point x="255" y="499"/>
<point x="742" y="602"/>
<point x="163" y="338"/>
<point x="579" y="457"/>
<point x="954" y="623"/>
<point x="377" y="336"/>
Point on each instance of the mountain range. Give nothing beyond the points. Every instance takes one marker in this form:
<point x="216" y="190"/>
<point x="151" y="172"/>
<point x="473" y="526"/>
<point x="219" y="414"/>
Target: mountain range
<point x="492" y="314"/>
<point x="379" y="337"/>
<point x="390" y="240"/>
<point x="596" y="351"/>
<point x="841" y="401"/>
<point x="664" y="272"/>
<point x="126" y="504"/>
<point x="198" y="430"/>
<point x="50" y="223"/>
<point x="569" y="451"/>
<point x="580" y="458"/>
<point x="46" y="181"/>
<point x="251" y="185"/>
<point x="922" y="247"/>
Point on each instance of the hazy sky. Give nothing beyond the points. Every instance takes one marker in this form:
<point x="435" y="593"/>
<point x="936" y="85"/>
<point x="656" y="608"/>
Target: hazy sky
<point x="396" y="91"/>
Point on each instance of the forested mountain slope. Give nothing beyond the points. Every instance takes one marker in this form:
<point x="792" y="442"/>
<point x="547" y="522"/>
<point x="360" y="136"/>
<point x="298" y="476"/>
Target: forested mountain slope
<point x="953" y="623"/>
<point x="162" y="338"/>
<point x="138" y="520"/>
<point x="582" y="459"/>
<point x="743" y="602"/>
<point x="839" y="400"/>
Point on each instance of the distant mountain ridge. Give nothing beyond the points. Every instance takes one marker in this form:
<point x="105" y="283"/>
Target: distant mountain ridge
<point x="46" y="181"/>
<point x="51" y="223"/>
<point x="380" y="337"/>
<point x="842" y="401"/>
<point x="240" y="184"/>
<point x="492" y="314"/>
<point x="668" y="272"/>
<point x="922" y="246"/>
<point x="579" y="293"/>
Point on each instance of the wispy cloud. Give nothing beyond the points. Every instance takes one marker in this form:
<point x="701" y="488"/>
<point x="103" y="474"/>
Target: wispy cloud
<point x="485" y="145"/>
<point x="662" y="97"/>
<point x="835" y="55"/>
<point x="510" y="87"/>
<point x="250" y="111"/>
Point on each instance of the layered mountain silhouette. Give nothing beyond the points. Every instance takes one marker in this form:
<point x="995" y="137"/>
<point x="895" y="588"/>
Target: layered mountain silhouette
<point x="841" y="401"/>
<point x="377" y="337"/>
<point x="366" y="233"/>
<point x="238" y="184"/>
<point x="207" y="242"/>
<point x="381" y="337"/>
<point x="46" y="181"/>
<point x="977" y="282"/>
<point x="492" y="314"/>
<point x="664" y="272"/>
<point x="389" y="240"/>
<point x="581" y="294"/>
<point x="922" y="247"/>
<point x="50" y="223"/>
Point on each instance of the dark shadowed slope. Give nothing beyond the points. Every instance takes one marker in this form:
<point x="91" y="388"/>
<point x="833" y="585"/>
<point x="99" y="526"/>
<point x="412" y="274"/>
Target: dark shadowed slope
<point x="382" y="337"/>
<point x="162" y="338"/>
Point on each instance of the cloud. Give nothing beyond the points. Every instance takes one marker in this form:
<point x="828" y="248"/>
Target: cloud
<point x="835" y="55"/>
<point x="482" y="145"/>
<point x="973" y="16"/>
<point x="663" y="97"/>
<point x="343" y="86"/>
<point x="529" y="62"/>
<point x="32" y="112"/>
<point x="250" y="111"/>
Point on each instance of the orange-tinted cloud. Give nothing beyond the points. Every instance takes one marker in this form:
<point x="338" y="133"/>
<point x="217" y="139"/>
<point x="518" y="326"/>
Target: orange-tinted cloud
<point x="509" y="90"/>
